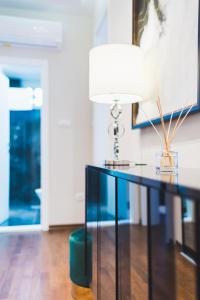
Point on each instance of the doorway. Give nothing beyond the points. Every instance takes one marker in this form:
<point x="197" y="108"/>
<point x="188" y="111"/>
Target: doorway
<point x="23" y="85"/>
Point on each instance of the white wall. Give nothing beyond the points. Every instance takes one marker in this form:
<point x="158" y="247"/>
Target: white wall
<point x="100" y="141"/>
<point x="4" y="148"/>
<point x="187" y="143"/>
<point x="69" y="148"/>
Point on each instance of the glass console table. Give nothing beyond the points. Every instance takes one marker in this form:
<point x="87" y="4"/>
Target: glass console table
<point x="145" y="233"/>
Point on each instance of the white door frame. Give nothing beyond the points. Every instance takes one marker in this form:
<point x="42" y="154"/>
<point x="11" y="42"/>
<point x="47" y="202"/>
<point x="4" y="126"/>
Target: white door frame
<point x="43" y="65"/>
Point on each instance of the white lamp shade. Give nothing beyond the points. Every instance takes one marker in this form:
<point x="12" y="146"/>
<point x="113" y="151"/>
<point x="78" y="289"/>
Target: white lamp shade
<point x="117" y="73"/>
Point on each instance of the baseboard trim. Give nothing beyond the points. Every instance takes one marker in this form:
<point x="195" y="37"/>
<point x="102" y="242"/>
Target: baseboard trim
<point x="65" y="227"/>
<point x="179" y="246"/>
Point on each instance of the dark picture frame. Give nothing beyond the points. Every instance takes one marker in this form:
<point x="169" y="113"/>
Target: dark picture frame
<point x="140" y="18"/>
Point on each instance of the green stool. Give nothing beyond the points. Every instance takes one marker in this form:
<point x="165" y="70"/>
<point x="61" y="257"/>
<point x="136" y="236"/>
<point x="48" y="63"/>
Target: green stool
<point x="80" y="258"/>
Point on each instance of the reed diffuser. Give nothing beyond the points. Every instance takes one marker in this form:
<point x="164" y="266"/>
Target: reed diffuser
<point x="167" y="160"/>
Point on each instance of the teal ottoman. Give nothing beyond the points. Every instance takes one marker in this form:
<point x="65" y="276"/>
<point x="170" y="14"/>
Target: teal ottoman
<point x="80" y="258"/>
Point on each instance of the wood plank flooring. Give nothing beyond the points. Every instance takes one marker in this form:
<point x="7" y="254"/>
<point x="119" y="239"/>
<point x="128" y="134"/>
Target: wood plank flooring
<point x="34" y="266"/>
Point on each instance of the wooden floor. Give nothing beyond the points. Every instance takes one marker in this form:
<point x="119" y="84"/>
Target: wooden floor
<point x="34" y="266"/>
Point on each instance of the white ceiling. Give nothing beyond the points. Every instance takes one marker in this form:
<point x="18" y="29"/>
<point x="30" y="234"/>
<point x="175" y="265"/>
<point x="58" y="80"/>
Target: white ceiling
<point x="79" y="7"/>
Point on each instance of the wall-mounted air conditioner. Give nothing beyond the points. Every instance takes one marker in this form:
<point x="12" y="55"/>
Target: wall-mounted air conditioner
<point x="30" y="32"/>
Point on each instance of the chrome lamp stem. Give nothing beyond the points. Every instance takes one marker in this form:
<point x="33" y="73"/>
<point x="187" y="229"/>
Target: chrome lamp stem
<point x="116" y="131"/>
<point x="114" y="108"/>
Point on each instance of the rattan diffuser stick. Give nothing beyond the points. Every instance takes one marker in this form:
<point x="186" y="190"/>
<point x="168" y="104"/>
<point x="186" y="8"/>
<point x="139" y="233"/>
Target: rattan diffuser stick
<point x="168" y="135"/>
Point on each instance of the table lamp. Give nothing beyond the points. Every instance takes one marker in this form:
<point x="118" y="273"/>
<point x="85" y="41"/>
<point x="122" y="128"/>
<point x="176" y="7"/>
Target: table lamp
<point x="116" y="76"/>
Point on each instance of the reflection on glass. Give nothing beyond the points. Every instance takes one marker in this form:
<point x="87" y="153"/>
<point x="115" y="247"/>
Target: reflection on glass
<point x="172" y="276"/>
<point x="189" y="224"/>
<point x="101" y="225"/>
<point x="150" y="249"/>
<point x="132" y="235"/>
<point x="106" y="239"/>
<point x="91" y="215"/>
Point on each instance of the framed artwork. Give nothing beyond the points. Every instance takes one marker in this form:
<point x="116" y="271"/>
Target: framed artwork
<point x="168" y="32"/>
